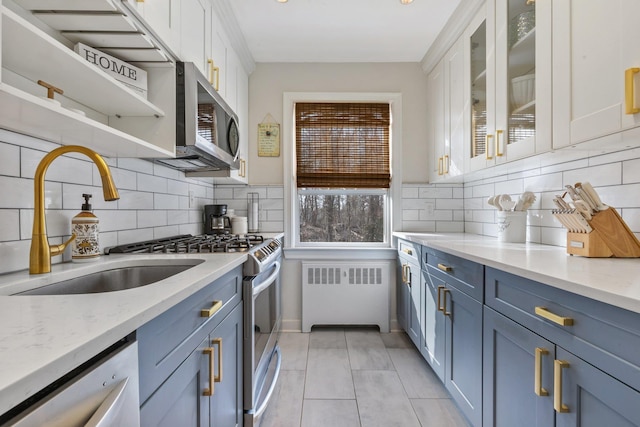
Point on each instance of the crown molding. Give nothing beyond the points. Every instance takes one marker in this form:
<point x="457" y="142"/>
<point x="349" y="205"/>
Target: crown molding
<point x="223" y="9"/>
<point x="453" y="29"/>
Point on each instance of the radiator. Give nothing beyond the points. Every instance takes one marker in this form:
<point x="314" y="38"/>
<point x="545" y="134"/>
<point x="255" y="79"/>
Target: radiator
<point x="345" y="293"/>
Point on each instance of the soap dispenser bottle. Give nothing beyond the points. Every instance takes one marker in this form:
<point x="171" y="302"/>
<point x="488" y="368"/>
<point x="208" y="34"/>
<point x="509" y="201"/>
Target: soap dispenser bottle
<point x="85" y="247"/>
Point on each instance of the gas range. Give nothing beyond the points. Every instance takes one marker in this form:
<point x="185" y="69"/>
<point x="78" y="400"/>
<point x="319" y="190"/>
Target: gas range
<point x="261" y="251"/>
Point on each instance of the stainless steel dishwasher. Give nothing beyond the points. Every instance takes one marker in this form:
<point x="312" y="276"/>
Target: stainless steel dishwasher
<point x="105" y="393"/>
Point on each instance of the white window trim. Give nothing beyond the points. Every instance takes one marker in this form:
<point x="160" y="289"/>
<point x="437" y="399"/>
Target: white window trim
<point x="290" y="189"/>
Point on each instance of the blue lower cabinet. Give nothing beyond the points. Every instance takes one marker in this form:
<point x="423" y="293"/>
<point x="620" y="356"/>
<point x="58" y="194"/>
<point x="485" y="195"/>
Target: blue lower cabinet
<point x="206" y="389"/>
<point x="402" y="296"/>
<point x="433" y="327"/>
<point x="513" y="356"/>
<point x="226" y="406"/>
<point x="589" y="397"/>
<point x="463" y="349"/>
<point x="180" y="401"/>
<point x="409" y="291"/>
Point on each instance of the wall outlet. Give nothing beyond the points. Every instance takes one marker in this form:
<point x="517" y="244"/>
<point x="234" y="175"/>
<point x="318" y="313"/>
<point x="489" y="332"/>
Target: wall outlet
<point x="192" y="199"/>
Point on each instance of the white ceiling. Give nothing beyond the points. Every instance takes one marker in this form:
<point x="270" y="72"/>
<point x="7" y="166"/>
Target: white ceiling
<point x="340" y="30"/>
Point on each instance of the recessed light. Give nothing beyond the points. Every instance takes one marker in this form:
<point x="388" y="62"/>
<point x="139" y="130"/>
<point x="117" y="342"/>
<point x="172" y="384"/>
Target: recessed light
<point x="406" y="1"/>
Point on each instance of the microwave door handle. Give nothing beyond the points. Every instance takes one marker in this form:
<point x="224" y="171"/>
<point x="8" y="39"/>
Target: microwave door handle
<point x="106" y="414"/>
<point x="265" y="284"/>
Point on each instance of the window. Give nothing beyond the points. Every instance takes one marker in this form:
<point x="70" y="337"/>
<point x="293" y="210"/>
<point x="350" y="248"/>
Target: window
<point x="342" y="172"/>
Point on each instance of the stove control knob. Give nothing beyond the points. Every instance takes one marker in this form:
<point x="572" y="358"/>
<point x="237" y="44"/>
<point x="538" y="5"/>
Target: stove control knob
<point x="259" y="255"/>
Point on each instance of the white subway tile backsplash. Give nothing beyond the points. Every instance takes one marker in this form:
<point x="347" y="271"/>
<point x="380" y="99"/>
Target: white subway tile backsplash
<point x="546" y="182"/>
<point x="275" y="193"/>
<point x="177" y="187"/>
<point x="152" y="183"/>
<point x="222" y="193"/>
<point x="135" y="200"/>
<point x="63" y="169"/>
<point x="410" y="192"/>
<point x="160" y="170"/>
<point x="511" y="186"/>
<point x="8" y="220"/>
<point x="9" y="160"/>
<point x="165" y="201"/>
<point x="449" y="204"/>
<point x="177" y="217"/>
<point x="72" y="197"/>
<point x="607" y="174"/>
<point x="136" y="165"/>
<point x="116" y="220"/>
<point x="152" y="218"/>
<point x="410" y="214"/>
<point x="167" y="231"/>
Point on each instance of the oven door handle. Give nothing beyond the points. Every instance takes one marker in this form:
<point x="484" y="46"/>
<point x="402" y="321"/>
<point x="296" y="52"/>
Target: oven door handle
<point x="266" y="283"/>
<point x="272" y="386"/>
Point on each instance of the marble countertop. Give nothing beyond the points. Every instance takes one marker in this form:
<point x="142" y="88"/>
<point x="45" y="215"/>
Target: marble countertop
<point x="615" y="281"/>
<point x="44" y="337"/>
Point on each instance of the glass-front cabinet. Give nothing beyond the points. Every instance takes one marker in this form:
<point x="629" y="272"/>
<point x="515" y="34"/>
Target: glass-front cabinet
<point x="509" y="51"/>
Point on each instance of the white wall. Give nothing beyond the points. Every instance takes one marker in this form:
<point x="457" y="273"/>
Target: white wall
<point x="269" y="81"/>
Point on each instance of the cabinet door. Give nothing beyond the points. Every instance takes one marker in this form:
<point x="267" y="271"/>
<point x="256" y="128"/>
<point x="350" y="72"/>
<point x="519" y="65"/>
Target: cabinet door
<point x="593" y="398"/>
<point x="195" y="33"/>
<point x="436" y="106"/>
<point x="219" y="46"/>
<point x="402" y="296"/>
<point x="226" y="402"/>
<point x="163" y="17"/>
<point x="413" y="315"/>
<point x="509" y="375"/>
<point x="592" y="47"/>
<point x="433" y="325"/>
<point x="463" y="365"/>
<point x="522" y="125"/>
<point x="180" y="400"/>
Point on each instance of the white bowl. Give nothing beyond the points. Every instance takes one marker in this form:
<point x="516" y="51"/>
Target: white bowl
<point x="523" y="90"/>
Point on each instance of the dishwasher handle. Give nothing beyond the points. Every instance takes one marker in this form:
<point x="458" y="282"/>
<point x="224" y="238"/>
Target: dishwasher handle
<point x="107" y="413"/>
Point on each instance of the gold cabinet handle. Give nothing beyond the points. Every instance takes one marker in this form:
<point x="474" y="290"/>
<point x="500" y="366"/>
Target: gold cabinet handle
<point x="498" y="135"/>
<point x="209" y="391"/>
<point x="546" y="314"/>
<point x="243" y="168"/>
<point x="404" y="273"/>
<point x="208" y="312"/>
<point x="440" y="288"/>
<point x="407" y="251"/>
<point x="218" y="342"/>
<point x="445" y="162"/>
<point x="444" y="302"/>
<point x="487" y="144"/>
<point x="213" y="70"/>
<point x="440" y="167"/>
<point x="629" y="90"/>
<point x="537" y="388"/>
<point x="558" y="366"/>
<point x="445" y="267"/>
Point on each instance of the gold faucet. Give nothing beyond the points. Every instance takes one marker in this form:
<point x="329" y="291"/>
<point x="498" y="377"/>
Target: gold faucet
<point x="41" y="251"/>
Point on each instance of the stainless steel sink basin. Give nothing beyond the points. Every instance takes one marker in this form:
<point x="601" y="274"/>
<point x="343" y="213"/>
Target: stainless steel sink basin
<point x="116" y="279"/>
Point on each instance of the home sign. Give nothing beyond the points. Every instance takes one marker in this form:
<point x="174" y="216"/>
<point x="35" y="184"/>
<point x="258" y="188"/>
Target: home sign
<point x="132" y="77"/>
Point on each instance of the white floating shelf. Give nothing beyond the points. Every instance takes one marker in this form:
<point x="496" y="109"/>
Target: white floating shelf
<point x="95" y="5"/>
<point x="25" y="113"/>
<point x="86" y="21"/>
<point x="529" y="107"/>
<point x="522" y="55"/>
<point x="40" y="57"/>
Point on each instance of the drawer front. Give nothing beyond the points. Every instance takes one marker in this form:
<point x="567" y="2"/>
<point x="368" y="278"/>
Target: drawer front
<point x="166" y="341"/>
<point x="608" y="337"/>
<point x="409" y="251"/>
<point x="464" y="275"/>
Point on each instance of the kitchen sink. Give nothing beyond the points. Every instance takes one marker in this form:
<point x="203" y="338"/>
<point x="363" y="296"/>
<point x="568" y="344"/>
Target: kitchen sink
<point x="116" y="279"/>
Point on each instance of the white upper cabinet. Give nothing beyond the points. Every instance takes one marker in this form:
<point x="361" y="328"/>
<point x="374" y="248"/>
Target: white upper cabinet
<point x="160" y="15"/>
<point x="447" y="101"/>
<point x="219" y="55"/>
<point x="596" y="60"/>
<point x="195" y="34"/>
<point x="510" y="75"/>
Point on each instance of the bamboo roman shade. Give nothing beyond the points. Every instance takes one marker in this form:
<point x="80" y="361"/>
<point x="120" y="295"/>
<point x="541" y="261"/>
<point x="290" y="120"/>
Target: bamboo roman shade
<point x="342" y="145"/>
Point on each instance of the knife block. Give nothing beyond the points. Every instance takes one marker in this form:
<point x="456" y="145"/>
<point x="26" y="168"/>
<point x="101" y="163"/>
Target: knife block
<point x="611" y="237"/>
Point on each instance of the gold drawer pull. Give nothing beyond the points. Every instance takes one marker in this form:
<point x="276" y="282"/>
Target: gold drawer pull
<point x="440" y="166"/>
<point x="445" y="267"/>
<point x="209" y="391"/>
<point x="629" y="90"/>
<point x="558" y="366"/>
<point x="498" y="135"/>
<point x="445" y="162"/>
<point x="407" y="251"/>
<point x="538" y="372"/>
<point x="208" y="312"/>
<point x="440" y="288"/>
<point x="546" y="314"/>
<point x="218" y="342"/>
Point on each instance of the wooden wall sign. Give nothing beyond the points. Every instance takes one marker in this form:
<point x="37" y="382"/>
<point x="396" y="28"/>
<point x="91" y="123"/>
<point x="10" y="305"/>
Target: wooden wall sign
<point x="268" y="139"/>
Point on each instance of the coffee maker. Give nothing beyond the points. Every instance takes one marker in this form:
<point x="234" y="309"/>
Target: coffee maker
<point x="215" y="220"/>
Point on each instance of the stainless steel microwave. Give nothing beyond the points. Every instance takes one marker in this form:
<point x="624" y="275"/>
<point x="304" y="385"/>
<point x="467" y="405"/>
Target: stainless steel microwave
<point x="207" y="136"/>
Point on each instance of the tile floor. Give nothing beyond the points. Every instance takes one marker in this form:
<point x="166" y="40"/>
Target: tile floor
<point x="357" y="377"/>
